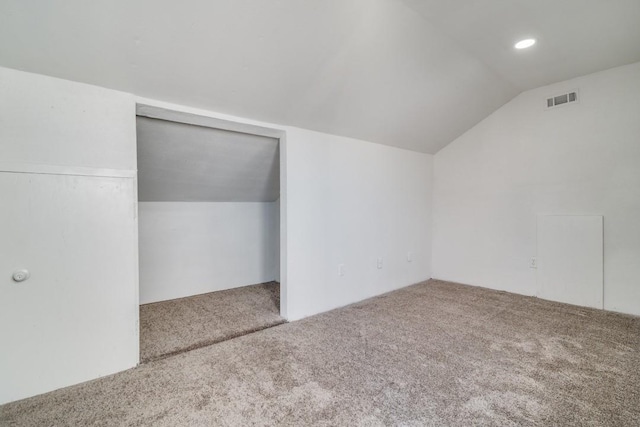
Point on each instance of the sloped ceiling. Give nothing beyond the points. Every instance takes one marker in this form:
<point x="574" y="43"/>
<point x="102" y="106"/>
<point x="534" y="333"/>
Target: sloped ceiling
<point x="185" y="163"/>
<point x="407" y="73"/>
<point x="575" y="37"/>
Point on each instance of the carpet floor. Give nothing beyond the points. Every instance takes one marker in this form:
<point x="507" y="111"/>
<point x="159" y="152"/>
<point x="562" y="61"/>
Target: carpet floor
<point x="175" y="326"/>
<point x="433" y="354"/>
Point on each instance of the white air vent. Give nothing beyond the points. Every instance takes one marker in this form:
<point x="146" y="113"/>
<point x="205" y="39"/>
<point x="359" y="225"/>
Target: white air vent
<point x="565" y="98"/>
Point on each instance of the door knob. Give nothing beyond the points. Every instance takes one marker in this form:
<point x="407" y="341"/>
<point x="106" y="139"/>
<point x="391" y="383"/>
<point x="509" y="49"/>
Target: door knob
<point x="20" y="275"/>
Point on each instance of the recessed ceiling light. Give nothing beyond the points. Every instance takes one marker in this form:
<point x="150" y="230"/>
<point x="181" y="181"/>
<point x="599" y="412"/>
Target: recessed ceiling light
<point x="523" y="44"/>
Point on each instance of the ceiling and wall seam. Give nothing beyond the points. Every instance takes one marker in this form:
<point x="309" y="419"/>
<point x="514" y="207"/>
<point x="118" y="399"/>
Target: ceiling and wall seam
<point x="405" y="73"/>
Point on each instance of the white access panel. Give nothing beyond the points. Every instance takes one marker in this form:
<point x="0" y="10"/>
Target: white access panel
<point x="570" y="259"/>
<point x="75" y="317"/>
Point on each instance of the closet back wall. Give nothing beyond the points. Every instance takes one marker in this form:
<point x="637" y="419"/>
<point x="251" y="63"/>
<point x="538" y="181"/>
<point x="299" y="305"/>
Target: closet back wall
<point x="190" y="248"/>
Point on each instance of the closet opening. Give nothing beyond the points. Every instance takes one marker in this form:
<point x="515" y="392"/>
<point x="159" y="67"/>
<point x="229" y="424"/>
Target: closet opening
<point x="210" y="229"/>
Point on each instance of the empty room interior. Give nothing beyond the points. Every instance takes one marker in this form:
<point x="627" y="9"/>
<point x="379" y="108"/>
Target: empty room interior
<point x="342" y="212"/>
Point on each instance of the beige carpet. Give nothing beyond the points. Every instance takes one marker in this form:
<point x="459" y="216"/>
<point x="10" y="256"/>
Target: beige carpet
<point x="171" y="327"/>
<point x="434" y="354"/>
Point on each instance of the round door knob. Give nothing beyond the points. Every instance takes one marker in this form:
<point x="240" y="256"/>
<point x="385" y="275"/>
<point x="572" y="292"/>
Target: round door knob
<point x="20" y="275"/>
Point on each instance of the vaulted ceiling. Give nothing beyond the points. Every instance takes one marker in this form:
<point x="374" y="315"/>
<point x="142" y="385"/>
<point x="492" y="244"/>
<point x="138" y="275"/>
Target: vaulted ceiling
<point x="408" y="73"/>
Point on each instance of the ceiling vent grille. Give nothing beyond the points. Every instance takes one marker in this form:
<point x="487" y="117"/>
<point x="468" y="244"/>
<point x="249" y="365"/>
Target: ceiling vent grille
<point x="565" y="98"/>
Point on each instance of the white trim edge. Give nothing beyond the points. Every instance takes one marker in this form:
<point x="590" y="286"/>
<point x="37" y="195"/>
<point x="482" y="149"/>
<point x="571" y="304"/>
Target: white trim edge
<point x="65" y="170"/>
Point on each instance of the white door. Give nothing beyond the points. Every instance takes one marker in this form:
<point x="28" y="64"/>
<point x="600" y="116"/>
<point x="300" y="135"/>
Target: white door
<point x="75" y="318"/>
<point x="570" y="259"/>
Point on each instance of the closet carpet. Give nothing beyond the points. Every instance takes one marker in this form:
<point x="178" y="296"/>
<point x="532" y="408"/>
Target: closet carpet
<point x="175" y="326"/>
<point x="433" y="354"/>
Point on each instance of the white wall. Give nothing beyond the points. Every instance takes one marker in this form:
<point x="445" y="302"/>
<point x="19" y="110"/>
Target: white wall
<point x="189" y="248"/>
<point x="524" y="160"/>
<point x="350" y="202"/>
<point x="47" y="121"/>
<point x="67" y="185"/>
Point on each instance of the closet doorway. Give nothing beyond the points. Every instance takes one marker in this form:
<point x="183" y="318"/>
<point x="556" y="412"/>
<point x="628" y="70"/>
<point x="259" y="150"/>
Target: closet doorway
<point x="209" y="218"/>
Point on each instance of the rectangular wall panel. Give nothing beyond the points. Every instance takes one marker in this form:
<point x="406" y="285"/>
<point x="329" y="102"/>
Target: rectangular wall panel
<point x="570" y="259"/>
<point x="76" y="317"/>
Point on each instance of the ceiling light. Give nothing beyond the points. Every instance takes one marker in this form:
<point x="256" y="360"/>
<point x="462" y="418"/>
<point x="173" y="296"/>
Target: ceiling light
<point x="523" y="44"/>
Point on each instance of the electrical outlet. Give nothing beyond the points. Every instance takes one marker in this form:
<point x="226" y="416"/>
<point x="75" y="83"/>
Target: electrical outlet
<point x="533" y="263"/>
<point x="409" y="257"/>
<point x="340" y="269"/>
<point x="379" y="263"/>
